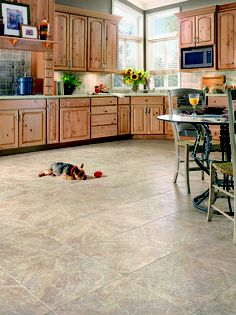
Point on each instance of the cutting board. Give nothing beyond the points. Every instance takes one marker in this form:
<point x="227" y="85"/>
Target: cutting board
<point x="213" y="80"/>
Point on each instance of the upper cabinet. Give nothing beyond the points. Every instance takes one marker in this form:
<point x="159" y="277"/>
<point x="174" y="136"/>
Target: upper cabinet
<point x="102" y="45"/>
<point x="197" y="28"/>
<point x="77" y="29"/>
<point x="227" y="37"/>
<point x="70" y="42"/>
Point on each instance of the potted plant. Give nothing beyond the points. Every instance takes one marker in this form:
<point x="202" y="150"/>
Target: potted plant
<point x="71" y="81"/>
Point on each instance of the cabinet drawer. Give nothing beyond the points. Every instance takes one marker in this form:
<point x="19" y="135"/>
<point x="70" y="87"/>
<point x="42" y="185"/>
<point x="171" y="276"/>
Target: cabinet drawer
<point x="103" y="110"/>
<point x="123" y="100"/>
<point x="99" y="120"/>
<point x="147" y="100"/>
<point x="217" y="101"/>
<point x="103" y="131"/>
<point x="74" y="102"/>
<point x="22" y="104"/>
<point x="104" y="101"/>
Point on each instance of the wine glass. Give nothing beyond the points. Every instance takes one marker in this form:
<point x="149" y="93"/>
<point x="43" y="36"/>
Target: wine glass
<point x="193" y="100"/>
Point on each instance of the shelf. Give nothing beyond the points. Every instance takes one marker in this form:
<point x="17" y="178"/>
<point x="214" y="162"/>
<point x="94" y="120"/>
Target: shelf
<point x="19" y="43"/>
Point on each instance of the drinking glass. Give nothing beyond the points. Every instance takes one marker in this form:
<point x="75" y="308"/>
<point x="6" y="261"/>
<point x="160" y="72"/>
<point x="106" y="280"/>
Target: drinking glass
<point x="193" y="100"/>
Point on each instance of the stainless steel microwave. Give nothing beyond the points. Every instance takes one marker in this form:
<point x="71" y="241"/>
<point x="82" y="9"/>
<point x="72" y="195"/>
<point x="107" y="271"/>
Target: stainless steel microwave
<point x="199" y="57"/>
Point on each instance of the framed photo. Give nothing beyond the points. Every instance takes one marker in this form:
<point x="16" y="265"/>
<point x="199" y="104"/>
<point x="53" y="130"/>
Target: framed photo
<point x="14" y="14"/>
<point x="28" y="31"/>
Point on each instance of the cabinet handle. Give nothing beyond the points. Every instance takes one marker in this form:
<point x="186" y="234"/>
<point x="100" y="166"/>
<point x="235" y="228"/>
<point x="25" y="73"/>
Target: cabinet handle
<point x="17" y="117"/>
<point x="146" y="110"/>
<point x="149" y="110"/>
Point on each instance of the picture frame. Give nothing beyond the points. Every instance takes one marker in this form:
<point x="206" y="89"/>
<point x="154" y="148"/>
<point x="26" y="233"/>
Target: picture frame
<point x="14" y="14"/>
<point x="28" y="31"/>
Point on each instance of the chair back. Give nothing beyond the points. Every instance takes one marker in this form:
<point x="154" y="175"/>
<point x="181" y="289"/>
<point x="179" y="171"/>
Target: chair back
<point x="183" y="104"/>
<point x="232" y="128"/>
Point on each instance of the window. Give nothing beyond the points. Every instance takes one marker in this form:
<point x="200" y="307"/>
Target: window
<point x="130" y="40"/>
<point x="162" y="49"/>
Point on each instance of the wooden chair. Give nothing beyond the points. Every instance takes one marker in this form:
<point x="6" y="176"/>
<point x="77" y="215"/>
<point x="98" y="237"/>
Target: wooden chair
<point x="228" y="170"/>
<point x="188" y="130"/>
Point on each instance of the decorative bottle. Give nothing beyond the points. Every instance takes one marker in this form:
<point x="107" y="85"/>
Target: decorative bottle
<point x="44" y="29"/>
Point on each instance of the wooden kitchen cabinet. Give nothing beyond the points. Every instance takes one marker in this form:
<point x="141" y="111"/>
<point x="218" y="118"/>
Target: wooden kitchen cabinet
<point x="74" y="119"/>
<point x="102" y="45"/>
<point x="8" y="129"/>
<point x="32" y="127"/>
<point x="52" y="121"/>
<point x="144" y="112"/>
<point x="123" y="116"/>
<point x="227" y="39"/>
<point x="197" y="28"/>
<point x="22" y="123"/>
<point x="70" y="42"/>
<point x="103" y="117"/>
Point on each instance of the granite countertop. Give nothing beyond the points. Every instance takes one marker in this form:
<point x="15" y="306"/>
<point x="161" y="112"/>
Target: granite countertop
<point x="115" y="94"/>
<point x="22" y="97"/>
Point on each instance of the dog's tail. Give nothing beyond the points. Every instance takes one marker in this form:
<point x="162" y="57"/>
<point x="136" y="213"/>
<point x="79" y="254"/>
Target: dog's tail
<point x="41" y="174"/>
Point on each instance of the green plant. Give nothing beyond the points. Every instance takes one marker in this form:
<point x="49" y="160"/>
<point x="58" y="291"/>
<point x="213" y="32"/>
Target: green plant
<point x="70" y="78"/>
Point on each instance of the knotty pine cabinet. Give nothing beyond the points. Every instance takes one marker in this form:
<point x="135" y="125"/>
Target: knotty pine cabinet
<point x="74" y="119"/>
<point x="22" y="123"/>
<point x="123" y="116"/>
<point x="227" y="38"/>
<point x="144" y="112"/>
<point x="102" y="45"/>
<point x="103" y="117"/>
<point x="197" y="28"/>
<point x="52" y="121"/>
<point x="70" y="48"/>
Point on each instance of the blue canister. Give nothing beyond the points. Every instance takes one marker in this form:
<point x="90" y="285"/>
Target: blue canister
<point x="24" y="86"/>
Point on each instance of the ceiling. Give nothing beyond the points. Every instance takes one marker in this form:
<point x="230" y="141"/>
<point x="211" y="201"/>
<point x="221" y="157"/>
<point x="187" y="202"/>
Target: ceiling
<point x="151" y="4"/>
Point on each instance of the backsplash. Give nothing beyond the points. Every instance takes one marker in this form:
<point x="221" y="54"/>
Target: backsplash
<point x="13" y="64"/>
<point x="89" y="80"/>
<point x="194" y="79"/>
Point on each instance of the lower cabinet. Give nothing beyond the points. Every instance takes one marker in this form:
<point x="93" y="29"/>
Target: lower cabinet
<point x="74" y="119"/>
<point x="22" y="125"/>
<point x="52" y="121"/>
<point x="103" y="117"/>
<point x="144" y="112"/>
<point x="124" y="116"/>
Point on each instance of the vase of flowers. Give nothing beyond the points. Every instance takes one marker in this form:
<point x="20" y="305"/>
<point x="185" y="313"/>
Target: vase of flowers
<point x="135" y="78"/>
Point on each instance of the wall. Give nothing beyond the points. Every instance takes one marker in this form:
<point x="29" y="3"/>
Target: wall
<point x="93" y="5"/>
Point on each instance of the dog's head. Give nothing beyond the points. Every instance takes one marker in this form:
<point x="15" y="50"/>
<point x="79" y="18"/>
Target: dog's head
<point x="79" y="173"/>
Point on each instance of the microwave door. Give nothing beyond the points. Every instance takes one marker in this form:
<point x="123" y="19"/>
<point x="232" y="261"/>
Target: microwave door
<point x="193" y="59"/>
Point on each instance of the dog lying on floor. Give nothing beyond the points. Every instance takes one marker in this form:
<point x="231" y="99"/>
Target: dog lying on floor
<point x="68" y="171"/>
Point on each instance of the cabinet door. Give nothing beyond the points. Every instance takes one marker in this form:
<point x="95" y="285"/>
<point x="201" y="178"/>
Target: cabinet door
<point x="227" y="40"/>
<point x="205" y="29"/>
<point x="111" y="46"/>
<point x="155" y="126"/>
<point x="78" y="42"/>
<point x="32" y="127"/>
<point x="74" y="124"/>
<point x="123" y="119"/>
<point x="187" y="32"/>
<point x="52" y="121"/>
<point x="8" y="129"/>
<point x="95" y="44"/>
<point x="61" y="37"/>
<point x="139" y="119"/>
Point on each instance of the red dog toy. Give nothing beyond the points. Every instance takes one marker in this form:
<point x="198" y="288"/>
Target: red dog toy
<point x="97" y="174"/>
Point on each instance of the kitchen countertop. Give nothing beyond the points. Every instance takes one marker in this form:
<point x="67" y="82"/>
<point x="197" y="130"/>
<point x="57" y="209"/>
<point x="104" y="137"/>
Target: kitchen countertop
<point x="22" y="97"/>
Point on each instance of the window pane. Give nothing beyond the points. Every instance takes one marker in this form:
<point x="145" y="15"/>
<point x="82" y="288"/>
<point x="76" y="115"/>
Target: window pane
<point x="163" y="25"/>
<point x="164" y="55"/>
<point x="173" y="80"/>
<point x="159" y="81"/>
<point x="131" y="54"/>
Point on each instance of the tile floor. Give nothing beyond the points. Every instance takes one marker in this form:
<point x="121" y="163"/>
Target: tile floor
<point x="127" y="243"/>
